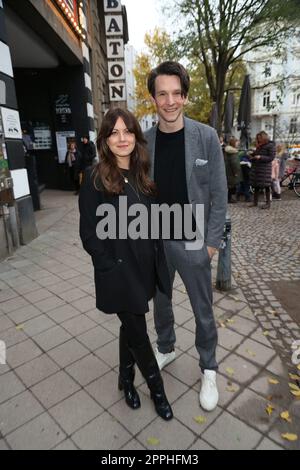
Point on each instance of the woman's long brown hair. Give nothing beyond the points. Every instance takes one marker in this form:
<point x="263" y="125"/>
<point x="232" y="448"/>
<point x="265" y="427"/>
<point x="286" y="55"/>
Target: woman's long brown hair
<point x="262" y="138"/>
<point x="107" y="170"/>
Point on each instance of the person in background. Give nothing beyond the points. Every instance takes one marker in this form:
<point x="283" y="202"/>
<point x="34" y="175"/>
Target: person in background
<point x="127" y="270"/>
<point x="276" y="189"/>
<point x="88" y="153"/>
<point x="283" y="155"/>
<point x="30" y="163"/>
<point x="233" y="168"/>
<point x="244" y="186"/>
<point x="261" y="169"/>
<point x="72" y="164"/>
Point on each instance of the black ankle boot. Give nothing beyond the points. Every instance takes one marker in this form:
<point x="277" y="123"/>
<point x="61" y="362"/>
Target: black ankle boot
<point x="131" y="395"/>
<point x="126" y="373"/>
<point x="162" y="406"/>
<point x="147" y="364"/>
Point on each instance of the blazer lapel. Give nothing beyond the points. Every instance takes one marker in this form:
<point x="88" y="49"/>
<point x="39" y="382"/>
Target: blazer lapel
<point x="191" y="149"/>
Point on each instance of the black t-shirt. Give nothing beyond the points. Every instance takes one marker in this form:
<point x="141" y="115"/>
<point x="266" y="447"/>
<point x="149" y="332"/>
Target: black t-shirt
<point x="170" y="172"/>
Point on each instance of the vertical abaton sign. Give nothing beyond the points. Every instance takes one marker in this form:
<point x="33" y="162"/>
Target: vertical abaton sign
<point x="115" y="49"/>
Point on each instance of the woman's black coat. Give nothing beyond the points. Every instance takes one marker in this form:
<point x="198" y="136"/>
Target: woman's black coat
<point x="118" y="279"/>
<point x="261" y="170"/>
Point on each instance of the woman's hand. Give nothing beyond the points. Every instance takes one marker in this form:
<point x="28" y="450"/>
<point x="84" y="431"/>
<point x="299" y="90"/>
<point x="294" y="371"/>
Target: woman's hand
<point x="211" y="251"/>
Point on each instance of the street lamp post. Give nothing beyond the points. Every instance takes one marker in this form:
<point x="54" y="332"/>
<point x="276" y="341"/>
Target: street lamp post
<point x="274" y="126"/>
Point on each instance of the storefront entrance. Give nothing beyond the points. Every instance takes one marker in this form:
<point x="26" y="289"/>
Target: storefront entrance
<point x="51" y="98"/>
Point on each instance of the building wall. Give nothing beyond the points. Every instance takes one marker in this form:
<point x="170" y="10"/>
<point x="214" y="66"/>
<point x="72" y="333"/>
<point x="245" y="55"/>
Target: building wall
<point x="80" y="72"/>
<point x="22" y="203"/>
<point x="99" y="72"/>
<point x="130" y="61"/>
<point x="276" y="80"/>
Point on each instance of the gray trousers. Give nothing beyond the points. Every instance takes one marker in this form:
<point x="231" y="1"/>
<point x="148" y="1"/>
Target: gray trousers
<point x="194" y="268"/>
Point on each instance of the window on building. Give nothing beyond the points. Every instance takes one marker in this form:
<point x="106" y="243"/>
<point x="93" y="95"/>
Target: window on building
<point x="268" y="70"/>
<point x="268" y="126"/>
<point x="296" y="99"/>
<point x="293" y="126"/>
<point x="266" y="99"/>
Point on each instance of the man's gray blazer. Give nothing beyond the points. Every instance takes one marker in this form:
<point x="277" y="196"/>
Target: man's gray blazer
<point x="205" y="174"/>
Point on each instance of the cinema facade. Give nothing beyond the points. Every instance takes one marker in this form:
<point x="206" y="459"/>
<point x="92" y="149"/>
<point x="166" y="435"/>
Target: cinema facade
<point x="56" y="84"/>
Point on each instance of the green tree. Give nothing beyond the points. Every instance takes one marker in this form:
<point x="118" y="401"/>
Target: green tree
<point x="200" y="101"/>
<point x="219" y="33"/>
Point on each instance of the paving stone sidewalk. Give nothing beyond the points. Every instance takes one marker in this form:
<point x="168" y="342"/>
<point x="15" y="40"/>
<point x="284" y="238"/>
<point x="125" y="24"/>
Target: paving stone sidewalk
<point x="58" y="389"/>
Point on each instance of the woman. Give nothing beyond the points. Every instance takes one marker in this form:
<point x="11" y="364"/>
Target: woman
<point x="127" y="270"/>
<point x="276" y="189"/>
<point x="72" y="163"/>
<point x="261" y="170"/>
<point x="282" y="155"/>
<point x="233" y="168"/>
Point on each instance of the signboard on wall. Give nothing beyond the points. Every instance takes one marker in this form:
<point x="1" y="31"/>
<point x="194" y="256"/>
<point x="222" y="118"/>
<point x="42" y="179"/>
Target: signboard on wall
<point x="73" y="14"/>
<point x="11" y="123"/>
<point x="114" y="29"/>
<point x="63" y="111"/>
<point x="115" y="48"/>
<point x="62" y="144"/>
<point x="5" y="62"/>
<point x="112" y="6"/>
<point x="3" y="154"/>
<point x="42" y="138"/>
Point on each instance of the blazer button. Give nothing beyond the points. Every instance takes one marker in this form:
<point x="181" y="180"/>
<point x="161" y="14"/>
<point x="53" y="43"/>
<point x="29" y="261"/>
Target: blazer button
<point x="120" y="261"/>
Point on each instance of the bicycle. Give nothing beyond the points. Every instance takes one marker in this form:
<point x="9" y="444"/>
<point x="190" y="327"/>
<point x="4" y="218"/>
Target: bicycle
<point x="296" y="183"/>
<point x="291" y="179"/>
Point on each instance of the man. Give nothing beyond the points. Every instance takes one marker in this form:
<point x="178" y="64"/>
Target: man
<point x="188" y="168"/>
<point x="88" y="153"/>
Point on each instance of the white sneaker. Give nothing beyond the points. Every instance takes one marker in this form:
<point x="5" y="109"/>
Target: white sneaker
<point x="209" y="395"/>
<point x="164" y="359"/>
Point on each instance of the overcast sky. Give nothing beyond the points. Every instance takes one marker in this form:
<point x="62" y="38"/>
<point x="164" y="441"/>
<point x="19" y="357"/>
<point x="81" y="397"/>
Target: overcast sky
<point x="143" y="16"/>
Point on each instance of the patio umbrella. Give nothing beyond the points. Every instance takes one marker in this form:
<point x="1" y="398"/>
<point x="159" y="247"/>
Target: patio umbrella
<point x="244" y="116"/>
<point x="228" y="116"/>
<point x="214" y="116"/>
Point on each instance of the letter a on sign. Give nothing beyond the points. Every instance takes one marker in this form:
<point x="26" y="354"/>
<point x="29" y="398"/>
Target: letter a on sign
<point x="114" y="25"/>
<point x="112" y="6"/>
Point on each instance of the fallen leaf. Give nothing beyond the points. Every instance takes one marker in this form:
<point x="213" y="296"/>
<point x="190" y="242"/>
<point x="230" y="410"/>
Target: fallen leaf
<point x="286" y="416"/>
<point x="270" y="408"/>
<point x="290" y="437"/>
<point x="230" y="371"/>
<point x="230" y="322"/>
<point x="232" y="389"/>
<point x="296" y="394"/>
<point x="294" y="387"/>
<point x="20" y="327"/>
<point x="152" y="441"/>
<point x="273" y="381"/>
<point x="222" y="324"/>
<point x="200" y="419"/>
<point x="294" y="377"/>
<point x="266" y="333"/>
<point x="251" y="353"/>
<point x="235" y="298"/>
